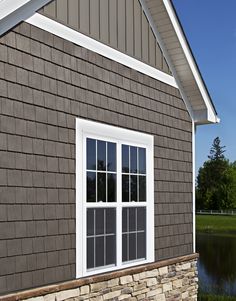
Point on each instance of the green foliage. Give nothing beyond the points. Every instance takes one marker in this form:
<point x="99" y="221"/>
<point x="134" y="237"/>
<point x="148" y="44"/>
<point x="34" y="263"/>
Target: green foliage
<point x="216" y="181"/>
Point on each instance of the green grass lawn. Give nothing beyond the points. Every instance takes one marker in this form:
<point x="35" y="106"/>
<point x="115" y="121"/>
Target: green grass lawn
<point x="216" y="223"/>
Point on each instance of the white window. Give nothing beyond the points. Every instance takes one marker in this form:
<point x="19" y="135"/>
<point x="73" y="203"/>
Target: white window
<point x="114" y="198"/>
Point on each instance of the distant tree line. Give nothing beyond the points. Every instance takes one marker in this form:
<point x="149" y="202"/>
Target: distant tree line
<point x="216" y="181"/>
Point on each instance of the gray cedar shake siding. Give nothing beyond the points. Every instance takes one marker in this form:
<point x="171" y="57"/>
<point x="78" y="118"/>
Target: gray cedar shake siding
<point x="121" y="24"/>
<point x="46" y="82"/>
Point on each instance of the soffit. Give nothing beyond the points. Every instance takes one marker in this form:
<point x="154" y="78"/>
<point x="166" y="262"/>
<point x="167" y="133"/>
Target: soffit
<point x="182" y="60"/>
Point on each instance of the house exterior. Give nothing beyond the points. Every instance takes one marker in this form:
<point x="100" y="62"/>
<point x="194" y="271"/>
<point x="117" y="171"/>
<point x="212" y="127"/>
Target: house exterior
<point x="99" y="104"/>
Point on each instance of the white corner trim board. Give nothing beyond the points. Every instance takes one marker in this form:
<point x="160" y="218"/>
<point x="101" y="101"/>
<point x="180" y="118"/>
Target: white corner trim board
<point x="193" y="180"/>
<point x="80" y="39"/>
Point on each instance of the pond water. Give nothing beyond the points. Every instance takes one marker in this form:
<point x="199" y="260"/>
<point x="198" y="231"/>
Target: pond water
<point x="217" y="263"/>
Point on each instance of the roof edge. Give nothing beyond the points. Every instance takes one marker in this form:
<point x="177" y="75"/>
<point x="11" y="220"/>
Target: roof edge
<point x="169" y="61"/>
<point x="211" y="111"/>
<point x="205" y="117"/>
<point x="13" y="12"/>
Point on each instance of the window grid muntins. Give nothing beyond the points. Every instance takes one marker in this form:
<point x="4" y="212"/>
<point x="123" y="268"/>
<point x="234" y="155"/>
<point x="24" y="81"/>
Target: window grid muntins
<point x="133" y="174"/>
<point x="133" y="233"/>
<point x="101" y="231"/>
<point x="101" y="171"/>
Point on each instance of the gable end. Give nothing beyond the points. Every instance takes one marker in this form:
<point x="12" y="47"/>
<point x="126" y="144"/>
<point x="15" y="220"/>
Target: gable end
<point x="120" y="24"/>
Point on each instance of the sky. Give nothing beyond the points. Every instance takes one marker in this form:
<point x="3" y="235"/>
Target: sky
<point x="210" y="27"/>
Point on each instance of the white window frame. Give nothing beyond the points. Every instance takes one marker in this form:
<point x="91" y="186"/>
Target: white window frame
<point x="96" y="130"/>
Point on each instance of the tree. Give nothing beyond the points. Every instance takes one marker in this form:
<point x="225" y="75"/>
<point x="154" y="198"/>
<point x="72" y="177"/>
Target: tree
<point x="216" y="181"/>
<point x="217" y="151"/>
<point x="233" y="186"/>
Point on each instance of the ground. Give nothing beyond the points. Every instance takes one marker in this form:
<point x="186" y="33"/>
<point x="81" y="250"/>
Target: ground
<point x="216" y="223"/>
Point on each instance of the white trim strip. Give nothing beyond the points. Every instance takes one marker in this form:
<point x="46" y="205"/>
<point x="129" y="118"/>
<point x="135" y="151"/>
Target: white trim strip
<point x="80" y="39"/>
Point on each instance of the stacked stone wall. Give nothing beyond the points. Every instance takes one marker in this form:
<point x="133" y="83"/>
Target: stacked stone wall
<point x="176" y="281"/>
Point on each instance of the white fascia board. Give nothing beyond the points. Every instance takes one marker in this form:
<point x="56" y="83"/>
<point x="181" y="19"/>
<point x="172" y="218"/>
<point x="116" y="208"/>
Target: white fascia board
<point x="14" y="11"/>
<point x="212" y="117"/>
<point x="8" y="6"/>
<point x="80" y="39"/>
<point x="167" y="57"/>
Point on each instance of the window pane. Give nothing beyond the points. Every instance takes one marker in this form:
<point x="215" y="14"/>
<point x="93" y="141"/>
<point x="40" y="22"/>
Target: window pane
<point x="141" y="219"/>
<point x="141" y="245"/>
<point x="132" y="246"/>
<point x="133" y="188"/>
<point x="125" y="188"/>
<point x="132" y="219"/>
<point x="125" y="158"/>
<point x="142" y="160"/>
<point x="133" y="234"/>
<point x="110" y="249"/>
<point x="90" y="253"/>
<point x="99" y="258"/>
<point x="142" y="188"/>
<point x="101" y="187"/>
<point x="101" y="248"/>
<point x="111" y="156"/>
<point x="91" y="154"/>
<point x="111" y="178"/>
<point x="90" y="222"/>
<point x="125" y="220"/>
<point x="101" y="153"/>
<point x="110" y="220"/>
<point x="91" y="187"/>
<point x="133" y="159"/>
<point x="124" y="247"/>
<point x="99" y="218"/>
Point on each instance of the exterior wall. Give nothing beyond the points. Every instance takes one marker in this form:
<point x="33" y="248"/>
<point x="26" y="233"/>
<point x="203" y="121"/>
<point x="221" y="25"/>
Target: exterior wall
<point x="45" y="84"/>
<point x="167" y="281"/>
<point x="121" y="24"/>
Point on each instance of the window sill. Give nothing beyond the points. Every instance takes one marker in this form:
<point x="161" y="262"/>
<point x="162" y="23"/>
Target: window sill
<point x="113" y="268"/>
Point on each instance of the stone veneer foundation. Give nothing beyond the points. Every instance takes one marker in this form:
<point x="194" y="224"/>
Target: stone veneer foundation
<point x="169" y="280"/>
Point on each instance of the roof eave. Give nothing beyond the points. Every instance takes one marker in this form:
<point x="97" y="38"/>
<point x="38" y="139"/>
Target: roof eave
<point x="210" y="111"/>
<point x="181" y="60"/>
<point x="13" y="12"/>
<point x="205" y="116"/>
